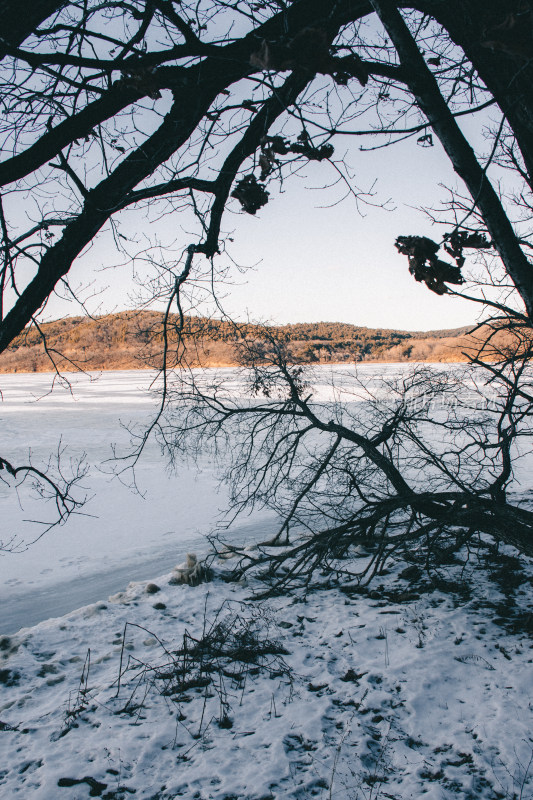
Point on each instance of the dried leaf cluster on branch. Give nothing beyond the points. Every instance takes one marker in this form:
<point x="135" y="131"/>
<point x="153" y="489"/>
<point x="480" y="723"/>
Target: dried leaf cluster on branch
<point x="309" y="51"/>
<point x="424" y="264"/>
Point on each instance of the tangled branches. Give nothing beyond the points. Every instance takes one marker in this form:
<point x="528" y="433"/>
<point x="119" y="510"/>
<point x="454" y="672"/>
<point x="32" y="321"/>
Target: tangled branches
<point x="53" y="484"/>
<point x="233" y="647"/>
<point x="420" y="462"/>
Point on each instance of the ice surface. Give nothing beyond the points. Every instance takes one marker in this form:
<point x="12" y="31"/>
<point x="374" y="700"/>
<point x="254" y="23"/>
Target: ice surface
<point x="120" y="535"/>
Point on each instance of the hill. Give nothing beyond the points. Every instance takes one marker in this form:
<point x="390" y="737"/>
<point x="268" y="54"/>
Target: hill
<point x="134" y="340"/>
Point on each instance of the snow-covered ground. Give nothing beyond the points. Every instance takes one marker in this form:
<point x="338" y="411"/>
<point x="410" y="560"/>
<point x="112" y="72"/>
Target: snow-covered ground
<point x="393" y="693"/>
<point x="385" y="695"/>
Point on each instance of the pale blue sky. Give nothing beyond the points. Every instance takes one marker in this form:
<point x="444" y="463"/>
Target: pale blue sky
<point x="313" y="262"/>
<point x="315" y="258"/>
<point x="334" y="264"/>
<point x="310" y="256"/>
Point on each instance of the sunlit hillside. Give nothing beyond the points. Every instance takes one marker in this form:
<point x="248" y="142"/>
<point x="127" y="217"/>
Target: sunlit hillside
<point x="134" y="340"/>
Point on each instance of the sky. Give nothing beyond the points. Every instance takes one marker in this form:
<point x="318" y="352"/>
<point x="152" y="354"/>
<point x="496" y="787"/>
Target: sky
<point x="310" y="255"/>
<point x="340" y="263"/>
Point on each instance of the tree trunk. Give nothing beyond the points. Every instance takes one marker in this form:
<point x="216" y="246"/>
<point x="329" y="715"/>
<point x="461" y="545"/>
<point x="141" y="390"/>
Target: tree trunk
<point x="20" y="20"/>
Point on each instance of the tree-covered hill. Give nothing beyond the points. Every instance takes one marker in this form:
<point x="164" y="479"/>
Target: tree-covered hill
<point x="134" y="340"/>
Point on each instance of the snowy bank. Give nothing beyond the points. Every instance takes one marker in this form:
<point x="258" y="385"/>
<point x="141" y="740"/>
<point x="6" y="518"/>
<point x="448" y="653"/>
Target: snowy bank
<point x="390" y="693"/>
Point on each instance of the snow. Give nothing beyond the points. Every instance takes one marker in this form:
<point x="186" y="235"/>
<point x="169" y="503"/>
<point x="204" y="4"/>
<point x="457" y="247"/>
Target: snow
<point x="374" y="697"/>
<point x="398" y="692"/>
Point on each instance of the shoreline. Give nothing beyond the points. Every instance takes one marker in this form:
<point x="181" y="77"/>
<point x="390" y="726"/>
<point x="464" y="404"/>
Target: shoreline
<point x="369" y="362"/>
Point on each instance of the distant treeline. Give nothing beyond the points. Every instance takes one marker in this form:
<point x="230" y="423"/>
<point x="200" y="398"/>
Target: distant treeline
<point x="134" y="340"/>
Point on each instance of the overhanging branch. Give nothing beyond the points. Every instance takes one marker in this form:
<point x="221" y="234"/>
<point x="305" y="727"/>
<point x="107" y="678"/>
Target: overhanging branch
<point x="426" y="91"/>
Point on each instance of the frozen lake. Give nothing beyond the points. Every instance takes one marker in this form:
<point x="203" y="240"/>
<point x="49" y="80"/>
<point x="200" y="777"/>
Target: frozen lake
<point x="120" y="535"/>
